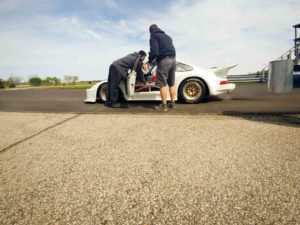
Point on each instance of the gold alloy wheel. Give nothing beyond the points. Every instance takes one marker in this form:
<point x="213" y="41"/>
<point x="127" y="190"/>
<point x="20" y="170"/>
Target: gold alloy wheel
<point x="192" y="91"/>
<point x="103" y="92"/>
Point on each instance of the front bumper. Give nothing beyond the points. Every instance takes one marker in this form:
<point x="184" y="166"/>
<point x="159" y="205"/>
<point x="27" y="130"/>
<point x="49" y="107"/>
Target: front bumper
<point x="90" y="96"/>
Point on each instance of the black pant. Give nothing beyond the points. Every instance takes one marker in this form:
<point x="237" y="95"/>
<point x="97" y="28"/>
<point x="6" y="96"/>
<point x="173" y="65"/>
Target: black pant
<point x="114" y="79"/>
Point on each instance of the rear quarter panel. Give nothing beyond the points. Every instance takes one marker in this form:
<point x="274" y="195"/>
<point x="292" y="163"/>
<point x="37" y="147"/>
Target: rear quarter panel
<point x="208" y="77"/>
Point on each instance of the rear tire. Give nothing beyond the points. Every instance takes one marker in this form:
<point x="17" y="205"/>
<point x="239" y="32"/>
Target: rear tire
<point x="192" y="90"/>
<point x="101" y="93"/>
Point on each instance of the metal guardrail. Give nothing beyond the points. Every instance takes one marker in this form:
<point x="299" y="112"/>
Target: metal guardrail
<point x="247" y="78"/>
<point x="261" y="78"/>
<point x="255" y="78"/>
<point x="286" y="55"/>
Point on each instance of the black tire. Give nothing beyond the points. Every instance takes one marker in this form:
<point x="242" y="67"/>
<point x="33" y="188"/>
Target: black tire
<point x="101" y="93"/>
<point x="192" y="90"/>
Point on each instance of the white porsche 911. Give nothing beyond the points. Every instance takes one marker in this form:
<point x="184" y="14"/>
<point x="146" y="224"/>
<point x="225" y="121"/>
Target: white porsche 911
<point x="192" y="84"/>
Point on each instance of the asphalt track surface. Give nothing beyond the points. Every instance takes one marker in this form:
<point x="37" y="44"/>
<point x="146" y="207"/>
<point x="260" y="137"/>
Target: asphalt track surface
<point x="245" y="99"/>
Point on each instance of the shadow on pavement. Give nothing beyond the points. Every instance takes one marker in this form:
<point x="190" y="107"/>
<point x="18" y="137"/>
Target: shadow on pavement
<point x="150" y="104"/>
<point x="290" y="120"/>
<point x="211" y="99"/>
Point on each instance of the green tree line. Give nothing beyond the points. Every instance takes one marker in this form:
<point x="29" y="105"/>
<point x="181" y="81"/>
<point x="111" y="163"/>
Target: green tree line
<point x="34" y="80"/>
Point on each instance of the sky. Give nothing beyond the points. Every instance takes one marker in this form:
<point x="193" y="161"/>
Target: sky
<point x="67" y="37"/>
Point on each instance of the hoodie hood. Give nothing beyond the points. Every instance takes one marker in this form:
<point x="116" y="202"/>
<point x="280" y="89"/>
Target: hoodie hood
<point x="157" y="30"/>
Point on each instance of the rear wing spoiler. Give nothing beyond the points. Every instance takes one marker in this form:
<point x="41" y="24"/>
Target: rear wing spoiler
<point x="223" y="71"/>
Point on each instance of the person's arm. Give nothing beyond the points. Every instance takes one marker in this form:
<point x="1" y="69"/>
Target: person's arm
<point x="154" y="49"/>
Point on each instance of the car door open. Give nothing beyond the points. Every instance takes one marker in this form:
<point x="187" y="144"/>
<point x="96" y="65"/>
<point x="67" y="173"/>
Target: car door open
<point x="131" y="83"/>
<point x="132" y="78"/>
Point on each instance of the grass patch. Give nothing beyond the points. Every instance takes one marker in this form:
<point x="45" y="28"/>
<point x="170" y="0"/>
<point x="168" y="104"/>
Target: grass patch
<point x="74" y="86"/>
<point x="78" y="85"/>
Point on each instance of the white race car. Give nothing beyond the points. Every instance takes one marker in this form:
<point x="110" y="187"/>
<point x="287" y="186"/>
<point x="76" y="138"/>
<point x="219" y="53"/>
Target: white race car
<point x="192" y="85"/>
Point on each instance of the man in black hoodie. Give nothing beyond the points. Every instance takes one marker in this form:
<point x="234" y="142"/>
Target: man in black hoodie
<point x="162" y="50"/>
<point x="118" y="71"/>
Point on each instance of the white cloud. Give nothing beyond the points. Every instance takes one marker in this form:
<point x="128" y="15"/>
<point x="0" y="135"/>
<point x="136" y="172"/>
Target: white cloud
<point x="206" y="33"/>
<point x="23" y="6"/>
<point x="66" y="46"/>
<point x="111" y="3"/>
<point x="246" y="32"/>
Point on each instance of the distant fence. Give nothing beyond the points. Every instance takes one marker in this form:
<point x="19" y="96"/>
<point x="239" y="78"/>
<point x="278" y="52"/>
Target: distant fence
<point x="254" y="78"/>
<point x="248" y="78"/>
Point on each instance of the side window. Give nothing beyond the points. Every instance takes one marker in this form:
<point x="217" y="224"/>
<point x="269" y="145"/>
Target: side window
<point x="183" y="67"/>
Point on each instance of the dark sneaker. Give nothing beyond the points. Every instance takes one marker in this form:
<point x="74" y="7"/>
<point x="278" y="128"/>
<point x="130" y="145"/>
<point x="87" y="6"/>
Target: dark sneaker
<point x="171" y="105"/>
<point x="161" y="107"/>
<point x="115" y="105"/>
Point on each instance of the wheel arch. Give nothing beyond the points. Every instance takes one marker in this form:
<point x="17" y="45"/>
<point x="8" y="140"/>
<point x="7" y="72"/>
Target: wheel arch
<point x="121" y="94"/>
<point x="195" y="77"/>
<point x="98" y="91"/>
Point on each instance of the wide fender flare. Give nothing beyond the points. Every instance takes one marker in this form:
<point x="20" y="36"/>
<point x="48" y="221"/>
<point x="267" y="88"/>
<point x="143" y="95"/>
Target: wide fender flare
<point x="181" y="78"/>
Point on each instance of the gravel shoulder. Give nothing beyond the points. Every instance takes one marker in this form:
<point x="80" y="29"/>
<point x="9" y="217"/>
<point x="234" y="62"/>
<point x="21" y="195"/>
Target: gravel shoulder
<point x="16" y="127"/>
<point x="150" y="169"/>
